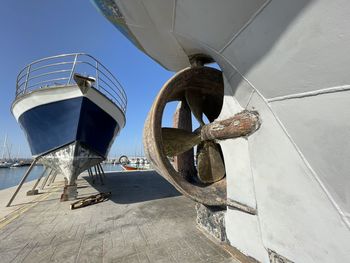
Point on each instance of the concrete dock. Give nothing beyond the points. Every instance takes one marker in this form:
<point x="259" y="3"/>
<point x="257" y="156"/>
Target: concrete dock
<point x="146" y="220"/>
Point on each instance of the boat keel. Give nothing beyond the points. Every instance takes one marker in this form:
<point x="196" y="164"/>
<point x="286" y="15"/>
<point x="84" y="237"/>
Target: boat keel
<point x="70" y="161"/>
<point x="70" y="193"/>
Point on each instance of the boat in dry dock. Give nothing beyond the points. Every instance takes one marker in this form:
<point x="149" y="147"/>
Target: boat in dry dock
<point x="274" y="149"/>
<point x="134" y="163"/>
<point x="71" y="108"/>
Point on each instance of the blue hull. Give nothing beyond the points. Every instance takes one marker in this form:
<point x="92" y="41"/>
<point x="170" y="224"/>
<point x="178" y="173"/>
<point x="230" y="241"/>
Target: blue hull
<point x="56" y="124"/>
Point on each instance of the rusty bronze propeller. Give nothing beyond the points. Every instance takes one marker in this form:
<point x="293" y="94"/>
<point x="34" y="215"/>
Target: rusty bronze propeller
<point x="210" y="165"/>
<point x="200" y="91"/>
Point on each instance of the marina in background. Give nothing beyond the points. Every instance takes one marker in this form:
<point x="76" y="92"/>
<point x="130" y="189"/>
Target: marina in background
<point x="11" y="176"/>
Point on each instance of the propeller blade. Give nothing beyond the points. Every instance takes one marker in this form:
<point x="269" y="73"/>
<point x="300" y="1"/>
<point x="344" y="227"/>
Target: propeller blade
<point x="213" y="105"/>
<point x="195" y="100"/>
<point x="177" y="141"/>
<point x="210" y="164"/>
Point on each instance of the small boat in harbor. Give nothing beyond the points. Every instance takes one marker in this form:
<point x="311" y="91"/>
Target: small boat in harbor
<point x="5" y="165"/>
<point x="135" y="167"/>
<point x="71" y="108"/>
<point x="15" y="165"/>
<point x="134" y="163"/>
<point x="20" y="164"/>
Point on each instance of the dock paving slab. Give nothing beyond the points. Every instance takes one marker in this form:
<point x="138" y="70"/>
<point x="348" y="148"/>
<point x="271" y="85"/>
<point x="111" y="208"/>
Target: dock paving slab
<point x="145" y="220"/>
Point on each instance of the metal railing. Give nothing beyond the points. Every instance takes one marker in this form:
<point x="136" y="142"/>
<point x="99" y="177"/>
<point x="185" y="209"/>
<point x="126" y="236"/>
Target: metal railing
<point x="59" y="71"/>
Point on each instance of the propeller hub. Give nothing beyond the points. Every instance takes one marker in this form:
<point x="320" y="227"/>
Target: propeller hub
<point x="241" y="124"/>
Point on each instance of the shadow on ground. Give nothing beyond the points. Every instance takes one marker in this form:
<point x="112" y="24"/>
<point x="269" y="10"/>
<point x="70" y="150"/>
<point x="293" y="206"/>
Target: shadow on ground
<point x="134" y="187"/>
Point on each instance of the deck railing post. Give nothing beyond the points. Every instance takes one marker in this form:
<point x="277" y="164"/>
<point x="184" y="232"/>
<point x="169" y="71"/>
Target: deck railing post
<point x="73" y="68"/>
<point x="27" y="79"/>
<point x="97" y="77"/>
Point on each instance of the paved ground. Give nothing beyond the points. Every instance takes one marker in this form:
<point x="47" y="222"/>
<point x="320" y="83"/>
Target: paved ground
<point x="21" y="198"/>
<point x="146" y="220"/>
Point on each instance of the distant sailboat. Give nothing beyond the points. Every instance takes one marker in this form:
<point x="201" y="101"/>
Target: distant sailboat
<point x="6" y="154"/>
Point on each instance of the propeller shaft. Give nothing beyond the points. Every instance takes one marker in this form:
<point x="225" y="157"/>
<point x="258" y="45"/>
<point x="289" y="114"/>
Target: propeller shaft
<point x="241" y="124"/>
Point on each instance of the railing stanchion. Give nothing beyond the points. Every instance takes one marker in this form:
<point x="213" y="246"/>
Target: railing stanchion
<point x="73" y="67"/>
<point x="27" y="77"/>
<point x="97" y="77"/>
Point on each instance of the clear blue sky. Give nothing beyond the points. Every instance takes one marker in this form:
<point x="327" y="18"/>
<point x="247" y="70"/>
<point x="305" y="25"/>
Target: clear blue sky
<point x="35" y="29"/>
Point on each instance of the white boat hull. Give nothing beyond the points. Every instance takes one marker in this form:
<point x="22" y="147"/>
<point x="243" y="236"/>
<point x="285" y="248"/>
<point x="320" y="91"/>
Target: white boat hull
<point x="288" y="60"/>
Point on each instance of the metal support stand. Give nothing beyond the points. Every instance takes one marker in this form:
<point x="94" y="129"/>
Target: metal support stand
<point x="92" y="175"/>
<point x="97" y="173"/>
<point x="35" y="191"/>
<point x="45" y="180"/>
<point x="22" y="181"/>
<point x="100" y="174"/>
<point x="51" y="179"/>
<point x="95" y="170"/>
<point x="103" y="172"/>
<point x="54" y="178"/>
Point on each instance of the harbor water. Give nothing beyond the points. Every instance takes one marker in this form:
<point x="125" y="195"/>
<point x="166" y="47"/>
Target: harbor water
<point x="11" y="176"/>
